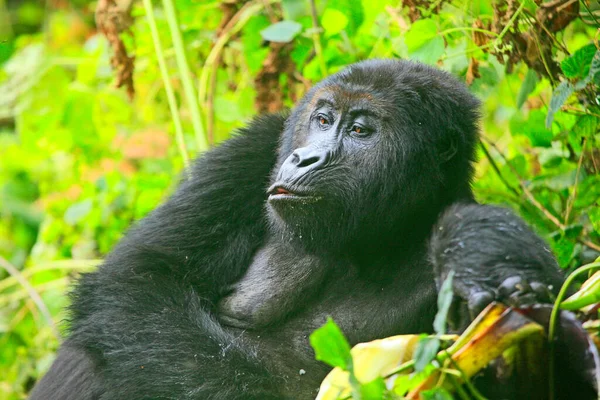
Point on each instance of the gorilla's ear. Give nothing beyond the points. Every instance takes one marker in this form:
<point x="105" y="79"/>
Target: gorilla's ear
<point x="449" y="150"/>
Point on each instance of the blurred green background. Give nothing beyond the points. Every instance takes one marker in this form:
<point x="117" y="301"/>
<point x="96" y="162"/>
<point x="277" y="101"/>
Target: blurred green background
<point x="81" y="159"/>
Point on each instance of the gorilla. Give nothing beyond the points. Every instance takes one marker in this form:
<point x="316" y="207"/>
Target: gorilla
<point x="356" y="205"/>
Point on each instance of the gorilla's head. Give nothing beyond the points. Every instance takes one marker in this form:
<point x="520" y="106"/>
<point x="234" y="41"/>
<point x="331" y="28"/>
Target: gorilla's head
<point x="373" y="154"/>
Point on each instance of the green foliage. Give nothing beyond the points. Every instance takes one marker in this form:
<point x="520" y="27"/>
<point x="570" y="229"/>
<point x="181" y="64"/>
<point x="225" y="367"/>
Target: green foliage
<point x="578" y="65"/>
<point x="331" y="346"/>
<point x="80" y="162"/>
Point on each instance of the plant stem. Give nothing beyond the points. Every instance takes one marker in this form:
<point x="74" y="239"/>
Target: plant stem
<point x="31" y="292"/>
<point x="317" y="38"/>
<point x="236" y="23"/>
<point x="185" y="75"/>
<point x="554" y="317"/>
<point x="164" y="72"/>
<point x="467" y="29"/>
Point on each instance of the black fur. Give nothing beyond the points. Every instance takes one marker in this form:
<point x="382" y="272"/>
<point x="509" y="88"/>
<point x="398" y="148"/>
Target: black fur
<point x="214" y="294"/>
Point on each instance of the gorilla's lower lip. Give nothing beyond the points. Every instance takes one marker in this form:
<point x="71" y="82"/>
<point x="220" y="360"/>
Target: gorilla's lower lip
<point x="280" y="191"/>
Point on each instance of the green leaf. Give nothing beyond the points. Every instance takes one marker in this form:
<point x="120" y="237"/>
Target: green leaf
<point x="405" y="383"/>
<point x="563" y="250"/>
<point x="352" y="10"/>
<point x="557" y="182"/>
<point x="595" y="67"/>
<point x="294" y="9"/>
<point x="594" y="215"/>
<point x="331" y="346"/>
<point x="586" y="126"/>
<point x="533" y="127"/>
<point x="436" y="394"/>
<point x="78" y="211"/>
<point x="373" y="390"/>
<point x="420" y="33"/>
<point x="559" y="96"/>
<point x="528" y="86"/>
<point x="333" y="21"/>
<point x="444" y="301"/>
<point x="423" y="42"/>
<point x="281" y="32"/>
<point x="578" y="65"/>
<point x="426" y="351"/>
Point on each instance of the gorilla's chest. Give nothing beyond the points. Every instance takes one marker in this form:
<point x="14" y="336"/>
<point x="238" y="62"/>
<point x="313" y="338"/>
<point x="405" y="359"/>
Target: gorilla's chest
<point x="364" y="311"/>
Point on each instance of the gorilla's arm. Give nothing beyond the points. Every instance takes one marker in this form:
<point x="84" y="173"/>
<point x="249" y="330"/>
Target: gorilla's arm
<point x="279" y="281"/>
<point x="495" y="256"/>
<point x="146" y="314"/>
<point x="72" y="377"/>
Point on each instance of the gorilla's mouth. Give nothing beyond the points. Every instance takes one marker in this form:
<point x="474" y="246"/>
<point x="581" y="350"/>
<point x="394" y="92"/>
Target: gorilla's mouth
<point x="281" y="190"/>
<point x="284" y="191"/>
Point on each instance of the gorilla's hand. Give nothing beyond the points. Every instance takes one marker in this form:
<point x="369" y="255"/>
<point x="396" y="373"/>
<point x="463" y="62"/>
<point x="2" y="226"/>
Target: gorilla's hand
<point x="495" y="256"/>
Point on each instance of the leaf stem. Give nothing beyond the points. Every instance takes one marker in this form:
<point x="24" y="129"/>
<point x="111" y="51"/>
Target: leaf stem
<point x="167" y="83"/>
<point x="185" y="75"/>
<point x="317" y="38"/>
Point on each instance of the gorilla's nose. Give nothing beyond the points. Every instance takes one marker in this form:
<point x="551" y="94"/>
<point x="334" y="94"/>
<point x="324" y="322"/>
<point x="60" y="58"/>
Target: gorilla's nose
<point x="305" y="157"/>
<point x="301" y="162"/>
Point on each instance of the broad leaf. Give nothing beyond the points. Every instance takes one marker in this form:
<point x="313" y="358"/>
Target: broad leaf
<point x="281" y="32"/>
<point x="373" y="390"/>
<point x="423" y="42"/>
<point x="559" y="96"/>
<point x="333" y="21"/>
<point x="528" y="86"/>
<point x="78" y="211"/>
<point x="585" y="126"/>
<point x="578" y="65"/>
<point x="426" y="351"/>
<point x="444" y="301"/>
<point x="331" y="346"/>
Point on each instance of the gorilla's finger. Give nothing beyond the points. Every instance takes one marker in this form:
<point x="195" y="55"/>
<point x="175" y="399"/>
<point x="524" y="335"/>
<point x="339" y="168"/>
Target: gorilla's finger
<point x="478" y="301"/>
<point x="513" y="284"/>
<point x="519" y="299"/>
<point x="542" y="292"/>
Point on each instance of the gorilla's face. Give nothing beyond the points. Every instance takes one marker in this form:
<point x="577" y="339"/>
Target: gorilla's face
<point x="330" y="177"/>
<point x="362" y="155"/>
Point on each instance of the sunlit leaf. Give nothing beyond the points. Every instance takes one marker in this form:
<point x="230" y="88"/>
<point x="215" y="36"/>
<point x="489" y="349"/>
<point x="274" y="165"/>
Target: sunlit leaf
<point x="588" y="294"/>
<point x="333" y="21"/>
<point x="371" y="360"/>
<point x="331" y="346"/>
<point x="373" y="390"/>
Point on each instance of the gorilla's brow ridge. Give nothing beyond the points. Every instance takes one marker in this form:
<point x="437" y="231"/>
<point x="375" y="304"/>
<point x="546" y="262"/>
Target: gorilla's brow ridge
<point x="322" y="96"/>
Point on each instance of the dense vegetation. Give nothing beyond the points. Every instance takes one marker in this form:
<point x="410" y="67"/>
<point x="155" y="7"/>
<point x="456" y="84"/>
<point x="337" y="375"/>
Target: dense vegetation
<point x="81" y="159"/>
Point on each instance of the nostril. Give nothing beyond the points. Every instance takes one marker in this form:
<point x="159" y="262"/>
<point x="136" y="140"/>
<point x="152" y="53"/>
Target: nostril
<point x="305" y="162"/>
<point x="295" y="158"/>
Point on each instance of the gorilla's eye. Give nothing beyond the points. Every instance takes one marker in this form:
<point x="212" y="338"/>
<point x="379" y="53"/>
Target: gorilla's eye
<point x="323" y="121"/>
<point x="358" y="130"/>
